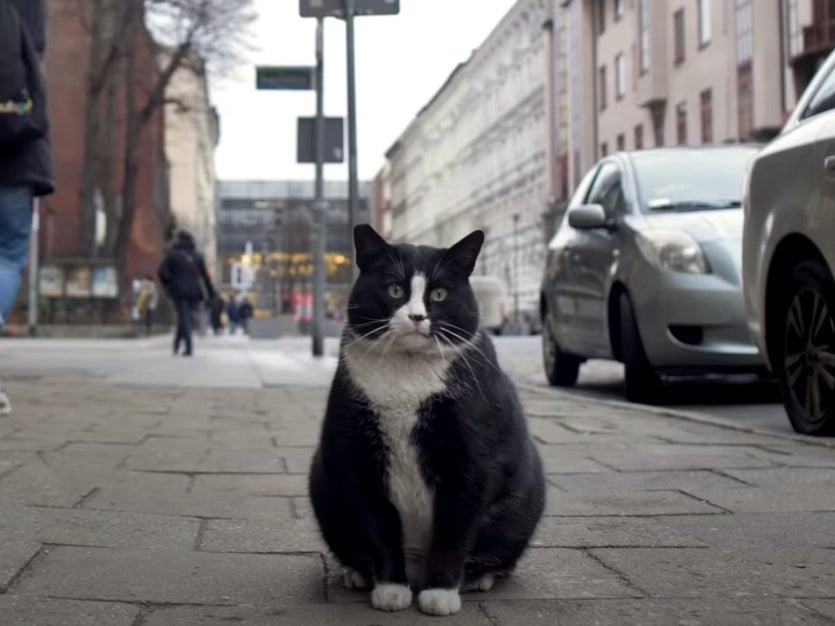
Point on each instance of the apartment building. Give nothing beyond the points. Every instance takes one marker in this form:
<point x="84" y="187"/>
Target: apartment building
<point x="192" y="131"/>
<point x="650" y="73"/>
<point x="560" y="83"/>
<point x="475" y="156"/>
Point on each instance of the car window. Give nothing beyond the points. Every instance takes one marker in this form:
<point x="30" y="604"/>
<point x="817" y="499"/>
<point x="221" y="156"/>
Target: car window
<point x="607" y="190"/>
<point x="824" y="98"/>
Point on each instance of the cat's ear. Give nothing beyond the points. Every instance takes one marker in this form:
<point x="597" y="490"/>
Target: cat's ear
<point x="463" y="254"/>
<point x="369" y="245"/>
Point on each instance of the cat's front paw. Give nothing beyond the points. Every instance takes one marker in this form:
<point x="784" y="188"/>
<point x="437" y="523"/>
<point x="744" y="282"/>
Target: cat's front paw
<point x="391" y="597"/>
<point x="439" y="601"/>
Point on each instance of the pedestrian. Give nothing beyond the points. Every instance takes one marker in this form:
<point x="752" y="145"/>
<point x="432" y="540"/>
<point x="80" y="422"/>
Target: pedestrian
<point x="185" y="279"/>
<point x="25" y="156"/>
<point x="245" y="313"/>
<point x="217" y="307"/>
<point x="232" y="314"/>
<point x="146" y="303"/>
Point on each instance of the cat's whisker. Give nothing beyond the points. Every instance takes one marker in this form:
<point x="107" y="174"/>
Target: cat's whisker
<point x="468" y="343"/>
<point x="466" y="360"/>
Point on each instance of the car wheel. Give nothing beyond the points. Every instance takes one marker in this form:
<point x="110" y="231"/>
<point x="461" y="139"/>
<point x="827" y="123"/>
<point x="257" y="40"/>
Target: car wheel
<point x="804" y="349"/>
<point x="641" y="383"/>
<point x="561" y="369"/>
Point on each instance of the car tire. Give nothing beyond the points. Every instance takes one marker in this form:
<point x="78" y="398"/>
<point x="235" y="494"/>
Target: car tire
<point x="641" y="383"/>
<point x="561" y="368"/>
<point x="803" y="348"/>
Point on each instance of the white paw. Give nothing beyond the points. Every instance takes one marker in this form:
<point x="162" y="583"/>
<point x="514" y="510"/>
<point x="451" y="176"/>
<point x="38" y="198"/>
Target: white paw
<point x="485" y="583"/>
<point x="439" y="601"/>
<point x="354" y="580"/>
<point x="391" y="597"/>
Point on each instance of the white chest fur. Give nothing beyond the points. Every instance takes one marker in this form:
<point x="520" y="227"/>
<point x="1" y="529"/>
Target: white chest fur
<point x="396" y="386"/>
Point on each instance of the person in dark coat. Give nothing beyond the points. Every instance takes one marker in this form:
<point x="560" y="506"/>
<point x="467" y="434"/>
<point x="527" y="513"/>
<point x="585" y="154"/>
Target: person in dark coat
<point x="185" y="279"/>
<point x="25" y="158"/>
<point x="216" y="309"/>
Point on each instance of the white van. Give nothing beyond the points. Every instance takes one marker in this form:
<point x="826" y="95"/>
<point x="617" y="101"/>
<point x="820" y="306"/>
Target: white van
<point x="492" y="301"/>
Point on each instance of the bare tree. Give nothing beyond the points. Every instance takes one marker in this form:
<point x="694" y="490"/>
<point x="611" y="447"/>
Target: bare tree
<point x="194" y="34"/>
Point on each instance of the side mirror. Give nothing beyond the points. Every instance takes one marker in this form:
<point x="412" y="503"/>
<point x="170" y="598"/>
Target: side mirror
<point x="587" y="217"/>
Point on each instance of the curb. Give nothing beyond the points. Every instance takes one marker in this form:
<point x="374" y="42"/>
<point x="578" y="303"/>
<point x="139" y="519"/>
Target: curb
<point x="689" y="416"/>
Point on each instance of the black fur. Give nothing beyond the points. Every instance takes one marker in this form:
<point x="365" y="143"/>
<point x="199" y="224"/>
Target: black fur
<point x="472" y="439"/>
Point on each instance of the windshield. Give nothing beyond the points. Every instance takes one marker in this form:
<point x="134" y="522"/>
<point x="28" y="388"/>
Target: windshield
<point x="692" y="180"/>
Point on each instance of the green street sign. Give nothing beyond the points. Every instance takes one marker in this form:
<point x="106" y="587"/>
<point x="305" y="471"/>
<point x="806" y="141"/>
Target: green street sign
<point x="291" y="78"/>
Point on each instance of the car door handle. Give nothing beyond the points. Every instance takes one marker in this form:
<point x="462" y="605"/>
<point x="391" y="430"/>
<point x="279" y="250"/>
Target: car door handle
<point x="829" y="163"/>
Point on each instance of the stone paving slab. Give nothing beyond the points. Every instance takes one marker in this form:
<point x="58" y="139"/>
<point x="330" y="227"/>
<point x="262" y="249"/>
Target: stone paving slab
<point x="725" y="572"/>
<point x="169" y="577"/>
<point x="626" y="503"/>
<point x="723" y="612"/>
<point x="26" y="610"/>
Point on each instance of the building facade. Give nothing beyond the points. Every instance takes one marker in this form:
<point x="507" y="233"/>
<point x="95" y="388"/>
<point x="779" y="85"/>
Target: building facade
<point x="475" y="156"/>
<point x="651" y="73"/>
<point x="192" y="131"/>
<point x="558" y="84"/>
<point x="269" y="227"/>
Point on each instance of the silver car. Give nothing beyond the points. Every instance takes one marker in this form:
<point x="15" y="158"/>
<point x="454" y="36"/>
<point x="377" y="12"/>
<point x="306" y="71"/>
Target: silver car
<point x="789" y="256"/>
<point x="645" y="269"/>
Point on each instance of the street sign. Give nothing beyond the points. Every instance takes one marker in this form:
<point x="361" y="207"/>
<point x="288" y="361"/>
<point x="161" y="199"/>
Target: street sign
<point x="335" y="8"/>
<point x="306" y="141"/>
<point x="292" y="78"/>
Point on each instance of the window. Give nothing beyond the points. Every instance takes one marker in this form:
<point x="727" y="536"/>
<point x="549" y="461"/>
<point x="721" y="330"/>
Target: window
<point x="639" y="137"/>
<point x="681" y="123"/>
<point x="643" y="27"/>
<point x="604" y="149"/>
<point x="745" y="101"/>
<point x="706" y="100"/>
<point x="658" y="129"/>
<point x="618" y="9"/>
<point x="601" y="17"/>
<point x="744" y="36"/>
<point x="824" y="98"/>
<point x="602" y="88"/>
<point x="794" y="30"/>
<point x="607" y="190"/>
<point x="620" y="76"/>
<point x="621" y="141"/>
<point x="678" y="36"/>
<point x="704" y="22"/>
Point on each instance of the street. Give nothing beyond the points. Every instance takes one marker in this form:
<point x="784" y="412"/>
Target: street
<point x="140" y="488"/>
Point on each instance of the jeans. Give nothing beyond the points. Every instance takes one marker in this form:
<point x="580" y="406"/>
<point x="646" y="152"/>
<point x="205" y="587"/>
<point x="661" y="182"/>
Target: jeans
<point x="185" y="310"/>
<point x="15" y="226"/>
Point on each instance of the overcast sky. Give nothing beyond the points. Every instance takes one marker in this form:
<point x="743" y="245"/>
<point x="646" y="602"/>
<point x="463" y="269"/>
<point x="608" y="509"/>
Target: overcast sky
<point x="401" y="61"/>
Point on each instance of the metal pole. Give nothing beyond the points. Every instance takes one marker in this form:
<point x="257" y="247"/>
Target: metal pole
<point x="320" y="207"/>
<point x="352" y="131"/>
<point x="33" y="270"/>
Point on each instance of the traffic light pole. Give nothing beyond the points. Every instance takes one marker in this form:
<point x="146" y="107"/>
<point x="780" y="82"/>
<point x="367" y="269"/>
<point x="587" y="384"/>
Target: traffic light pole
<point x="320" y="206"/>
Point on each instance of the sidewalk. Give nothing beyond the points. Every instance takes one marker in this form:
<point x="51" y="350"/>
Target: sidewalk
<point x="179" y="505"/>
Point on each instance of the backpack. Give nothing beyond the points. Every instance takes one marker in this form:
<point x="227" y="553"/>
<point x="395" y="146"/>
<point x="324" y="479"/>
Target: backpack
<point x="23" y="115"/>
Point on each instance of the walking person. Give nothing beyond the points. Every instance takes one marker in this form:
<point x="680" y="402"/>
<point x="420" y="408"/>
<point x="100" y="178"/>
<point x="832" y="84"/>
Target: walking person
<point x="245" y="313"/>
<point x="25" y="157"/>
<point x="147" y="303"/>
<point x="185" y="279"/>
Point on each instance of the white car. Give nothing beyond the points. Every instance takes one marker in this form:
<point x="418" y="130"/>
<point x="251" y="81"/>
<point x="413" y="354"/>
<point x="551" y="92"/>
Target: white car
<point x="788" y="256"/>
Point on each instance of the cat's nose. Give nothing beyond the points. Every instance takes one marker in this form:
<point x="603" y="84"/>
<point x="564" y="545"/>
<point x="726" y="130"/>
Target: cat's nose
<point x="417" y="319"/>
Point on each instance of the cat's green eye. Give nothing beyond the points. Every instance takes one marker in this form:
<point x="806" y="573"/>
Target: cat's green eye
<point x="396" y="291"/>
<point x="438" y="295"/>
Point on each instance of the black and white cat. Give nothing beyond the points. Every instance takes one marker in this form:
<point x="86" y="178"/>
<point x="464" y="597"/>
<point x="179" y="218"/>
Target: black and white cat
<point x="426" y="477"/>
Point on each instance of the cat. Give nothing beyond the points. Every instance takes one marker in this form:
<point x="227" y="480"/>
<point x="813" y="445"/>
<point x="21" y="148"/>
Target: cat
<point x="425" y="476"/>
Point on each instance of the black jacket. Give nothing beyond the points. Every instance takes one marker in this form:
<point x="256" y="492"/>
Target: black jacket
<point x="29" y="163"/>
<point x="183" y="274"/>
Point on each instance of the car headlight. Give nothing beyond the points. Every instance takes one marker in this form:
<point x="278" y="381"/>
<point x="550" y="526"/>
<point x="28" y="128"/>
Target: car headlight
<point x="673" y="251"/>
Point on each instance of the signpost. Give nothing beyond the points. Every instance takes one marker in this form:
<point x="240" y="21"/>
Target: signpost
<point x="285" y="78"/>
<point x="306" y="141"/>
<point x="347" y="9"/>
<point x="336" y="8"/>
